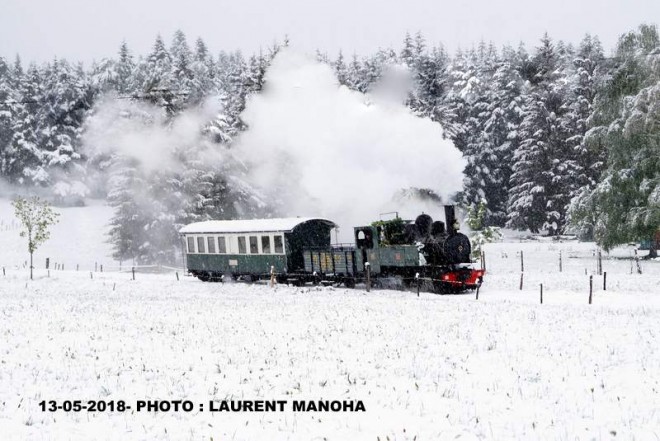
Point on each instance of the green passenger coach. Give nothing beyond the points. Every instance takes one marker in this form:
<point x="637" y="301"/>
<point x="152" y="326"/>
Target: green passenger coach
<point x="250" y="249"/>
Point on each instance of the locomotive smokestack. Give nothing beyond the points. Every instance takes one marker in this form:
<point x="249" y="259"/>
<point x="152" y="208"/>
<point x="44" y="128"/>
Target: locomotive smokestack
<point x="450" y="219"/>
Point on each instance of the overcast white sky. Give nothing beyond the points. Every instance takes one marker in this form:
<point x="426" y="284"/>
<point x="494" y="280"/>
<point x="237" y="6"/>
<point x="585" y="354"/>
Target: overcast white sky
<point x="91" y="29"/>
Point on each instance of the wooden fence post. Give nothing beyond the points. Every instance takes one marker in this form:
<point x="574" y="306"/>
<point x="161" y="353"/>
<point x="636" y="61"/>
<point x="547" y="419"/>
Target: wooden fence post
<point x="522" y="263"/>
<point x="560" y="267"/>
<point x="418" y="282"/>
<point x="605" y="281"/>
<point x="133" y="271"/>
<point x="177" y="276"/>
<point x="541" y="293"/>
<point x="591" y="288"/>
<point x="521" y="280"/>
<point x="368" y="265"/>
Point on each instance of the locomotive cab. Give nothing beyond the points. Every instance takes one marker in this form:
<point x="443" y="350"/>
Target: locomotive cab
<point x="366" y="238"/>
<point x="367" y="242"/>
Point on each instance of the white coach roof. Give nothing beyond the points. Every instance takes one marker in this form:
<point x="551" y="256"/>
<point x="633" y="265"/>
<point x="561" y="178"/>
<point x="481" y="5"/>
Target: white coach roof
<point x="250" y="225"/>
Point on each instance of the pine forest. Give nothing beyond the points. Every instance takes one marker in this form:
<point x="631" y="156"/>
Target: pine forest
<point x="559" y="138"/>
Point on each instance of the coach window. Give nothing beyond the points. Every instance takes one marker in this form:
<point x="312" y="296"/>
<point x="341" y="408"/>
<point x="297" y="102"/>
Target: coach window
<point x="241" y="245"/>
<point x="211" y="242"/>
<point x="200" y="245"/>
<point x="222" y="246"/>
<point x="278" y="244"/>
<point x="265" y="244"/>
<point x="191" y="244"/>
<point x="254" y="247"/>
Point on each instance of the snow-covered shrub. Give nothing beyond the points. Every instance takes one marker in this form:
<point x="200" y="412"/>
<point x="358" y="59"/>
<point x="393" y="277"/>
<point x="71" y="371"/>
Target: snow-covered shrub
<point x="480" y="235"/>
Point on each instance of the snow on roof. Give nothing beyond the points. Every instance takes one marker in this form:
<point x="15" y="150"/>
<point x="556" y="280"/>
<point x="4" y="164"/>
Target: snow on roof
<point x="250" y="225"/>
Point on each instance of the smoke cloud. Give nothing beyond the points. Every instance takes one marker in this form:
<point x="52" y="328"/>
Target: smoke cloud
<point x="142" y="131"/>
<point x="313" y="148"/>
<point x="321" y="149"/>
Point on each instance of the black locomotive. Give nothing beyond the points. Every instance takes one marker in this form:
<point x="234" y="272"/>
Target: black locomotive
<point x="432" y="253"/>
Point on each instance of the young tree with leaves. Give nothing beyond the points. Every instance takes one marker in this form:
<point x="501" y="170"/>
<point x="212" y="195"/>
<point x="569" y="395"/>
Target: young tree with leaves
<point x="36" y="216"/>
<point x="481" y="234"/>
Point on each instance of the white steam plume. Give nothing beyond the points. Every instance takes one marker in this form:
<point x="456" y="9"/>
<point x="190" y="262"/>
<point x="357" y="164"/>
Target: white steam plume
<point x="141" y="131"/>
<point x="324" y="150"/>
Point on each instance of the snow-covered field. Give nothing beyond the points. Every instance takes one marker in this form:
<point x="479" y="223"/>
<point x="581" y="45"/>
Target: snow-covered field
<point x="79" y="238"/>
<point x="430" y="367"/>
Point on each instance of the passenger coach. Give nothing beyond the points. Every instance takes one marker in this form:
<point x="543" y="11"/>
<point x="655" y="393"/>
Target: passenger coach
<point x="249" y="248"/>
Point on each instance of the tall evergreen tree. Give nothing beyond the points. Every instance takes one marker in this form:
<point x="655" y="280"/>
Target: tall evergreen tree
<point x="124" y="70"/>
<point x="156" y="77"/>
<point x="407" y="54"/>
<point x="340" y="70"/>
<point x="203" y="74"/>
<point x="543" y="164"/>
<point x="356" y="79"/>
<point x="182" y="82"/>
<point x="63" y="106"/>
<point x="625" y="204"/>
<point x="588" y="162"/>
<point x="23" y="159"/>
<point x="7" y="110"/>
<point x="499" y="136"/>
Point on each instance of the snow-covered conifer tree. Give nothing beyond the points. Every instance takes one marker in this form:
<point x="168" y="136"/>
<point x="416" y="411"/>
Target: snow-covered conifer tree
<point x="625" y="204"/>
<point x="341" y="70"/>
<point x="23" y="157"/>
<point x="8" y="105"/>
<point x="182" y="75"/>
<point x="544" y="166"/>
<point x="124" y="70"/>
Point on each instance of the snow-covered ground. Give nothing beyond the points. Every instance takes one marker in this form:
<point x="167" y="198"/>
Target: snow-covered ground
<point x="79" y="238"/>
<point x="430" y="367"/>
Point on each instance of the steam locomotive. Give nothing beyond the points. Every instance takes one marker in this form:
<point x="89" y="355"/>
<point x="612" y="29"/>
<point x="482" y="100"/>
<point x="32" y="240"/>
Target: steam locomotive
<point x="423" y="252"/>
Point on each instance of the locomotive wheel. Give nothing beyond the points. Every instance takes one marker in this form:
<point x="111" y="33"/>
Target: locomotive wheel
<point x="349" y="282"/>
<point x="204" y="277"/>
